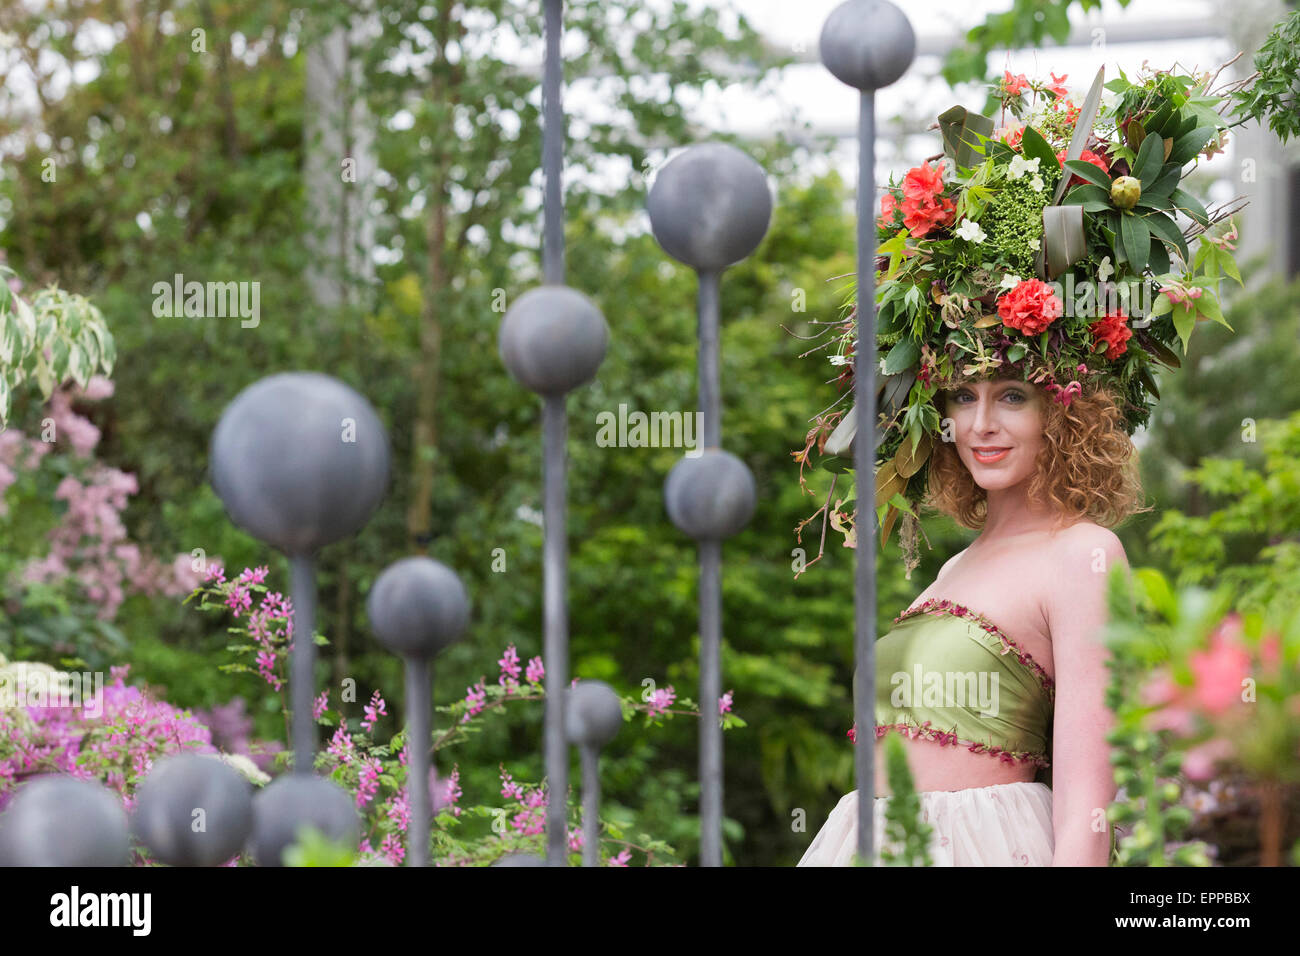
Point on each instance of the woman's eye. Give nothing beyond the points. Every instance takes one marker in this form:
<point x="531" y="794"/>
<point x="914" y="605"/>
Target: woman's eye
<point x="1018" y="396"/>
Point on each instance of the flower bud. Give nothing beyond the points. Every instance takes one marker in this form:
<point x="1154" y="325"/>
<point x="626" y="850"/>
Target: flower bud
<point x="1125" y="192"/>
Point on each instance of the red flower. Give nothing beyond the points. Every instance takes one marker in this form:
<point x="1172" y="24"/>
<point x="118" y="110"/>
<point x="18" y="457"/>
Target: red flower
<point x="888" y="210"/>
<point x="1014" y="85"/>
<point x="1030" y="307"/>
<point x="1088" y="156"/>
<point x="924" y="207"/>
<point x="1056" y="85"/>
<point x="1113" y="332"/>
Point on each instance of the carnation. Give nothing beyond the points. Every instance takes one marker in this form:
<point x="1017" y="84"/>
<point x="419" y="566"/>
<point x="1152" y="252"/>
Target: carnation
<point x="1114" y="331"/>
<point x="1030" y="307"/>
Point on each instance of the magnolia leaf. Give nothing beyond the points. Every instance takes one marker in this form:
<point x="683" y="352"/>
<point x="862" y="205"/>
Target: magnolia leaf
<point x="1082" y="129"/>
<point x="902" y="356"/>
<point x="1086" y="170"/>
<point x="1164" y="227"/>
<point x="891" y="516"/>
<point x="1150" y="160"/>
<point x="1033" y="146"/>
<point x="908" y="462"/>
<point x="961" y="130"/>
<point x="1064" y="241"/>
<point x="987" y="321"/>
<point x="888" y="483"/>
<point x="1189" y="205"/>
<point x="1137" y="241"/>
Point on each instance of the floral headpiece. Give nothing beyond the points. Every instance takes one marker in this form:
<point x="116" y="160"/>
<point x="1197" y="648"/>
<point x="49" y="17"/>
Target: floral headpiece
<point x="1046" y="249"/>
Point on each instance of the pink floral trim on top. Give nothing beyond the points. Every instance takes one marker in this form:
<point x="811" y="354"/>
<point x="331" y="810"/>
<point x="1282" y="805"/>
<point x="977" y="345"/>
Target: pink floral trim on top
<point x="936" y="606"/>
<point x="947" y="738"/>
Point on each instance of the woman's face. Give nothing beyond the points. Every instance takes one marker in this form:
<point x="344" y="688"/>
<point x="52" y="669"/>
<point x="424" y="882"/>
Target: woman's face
<point x="998" y="428"/>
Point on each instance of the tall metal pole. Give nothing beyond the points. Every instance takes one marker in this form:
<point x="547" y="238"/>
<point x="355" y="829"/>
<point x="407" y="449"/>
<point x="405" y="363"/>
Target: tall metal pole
<point x="867" y="44"/>
<point x="554" y="435"/>
<point x="864" y="463"/>
<point x="303" y="664"/>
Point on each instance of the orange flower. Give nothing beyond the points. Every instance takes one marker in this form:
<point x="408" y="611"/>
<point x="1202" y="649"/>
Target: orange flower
<point x="1014" y="85"/>
<point x="1114" y="332"/>
<point x="1088" y="156"/>
<point x="924" y="208"/>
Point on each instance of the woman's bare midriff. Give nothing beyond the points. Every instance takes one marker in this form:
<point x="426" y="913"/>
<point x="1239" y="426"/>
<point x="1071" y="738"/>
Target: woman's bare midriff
<point x="938" y="767"/>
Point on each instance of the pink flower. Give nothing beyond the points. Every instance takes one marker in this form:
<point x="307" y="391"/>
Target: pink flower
<point x="724" y="703"/>
<point x="253" y="575"/>
<point x="621" y="859"/>
<point x="1220" y="671"/>
<point x="476" y="698"/>
<point x="373" y="710"/>
<point x="661" y="700"/>
<point x="535" y="671"/>
<point x="368" y="781"/>
<point x="1198" y="763"/>
<point x="391" y="847"/>
<point x="575" y="840"/>
<point x="322" y="703"/>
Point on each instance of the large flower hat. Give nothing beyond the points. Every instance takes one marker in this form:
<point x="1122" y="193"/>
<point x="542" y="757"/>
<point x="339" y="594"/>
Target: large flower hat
<point x="1054" y="248"/>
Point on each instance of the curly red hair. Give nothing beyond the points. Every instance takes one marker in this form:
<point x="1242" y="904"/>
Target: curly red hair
<point x="1087" y="468"/>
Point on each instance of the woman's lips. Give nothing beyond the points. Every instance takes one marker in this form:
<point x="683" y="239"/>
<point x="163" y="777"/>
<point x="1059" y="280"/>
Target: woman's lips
<point x="989" y="457"/>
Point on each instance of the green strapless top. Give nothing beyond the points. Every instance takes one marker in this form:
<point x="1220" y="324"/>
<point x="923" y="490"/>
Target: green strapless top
<point x="947" y="673"/>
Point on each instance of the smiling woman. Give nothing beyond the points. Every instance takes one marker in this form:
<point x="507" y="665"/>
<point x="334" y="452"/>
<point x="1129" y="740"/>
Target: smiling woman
<point x="1078" y="457"/>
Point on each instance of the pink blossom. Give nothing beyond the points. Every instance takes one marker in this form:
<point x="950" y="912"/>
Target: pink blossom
<point x="661" y="700"/>
<point x="535" y="671"/>
<point x="368" y="781"/>
<point x="373" y="710"/>
<point x="391" y="847"/>
<point x="1220" y="671"/>
<point x="322" y="703"/>
<point x="476" y="698"/>
<point x="621" y="859"/>
<point x="1199" y="762"/>
<point x="724" y="703"/>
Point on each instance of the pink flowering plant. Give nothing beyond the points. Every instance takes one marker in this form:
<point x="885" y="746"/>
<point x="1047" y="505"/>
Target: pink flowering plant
<point x="371" y="763"/>
<point x="69" y="562"/>
<point x="1202" y="694"/>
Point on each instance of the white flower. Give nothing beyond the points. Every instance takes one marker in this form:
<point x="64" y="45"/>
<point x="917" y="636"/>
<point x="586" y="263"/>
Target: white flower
<point x="1020" y="166"/>
<point x="839" y="359"/>
<point x="1009" y="281"/>
<point x="1036" y="184"/>
<point x="1104" y="271"/>
<point x="971" y="231"/>
<point x="1035" y="245"/>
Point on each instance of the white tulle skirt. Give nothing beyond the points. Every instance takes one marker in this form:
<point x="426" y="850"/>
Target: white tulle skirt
<point x="1008" y="824"/>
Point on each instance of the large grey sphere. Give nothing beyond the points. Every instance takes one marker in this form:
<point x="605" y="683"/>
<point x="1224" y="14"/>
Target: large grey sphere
<point x="710" y="497"/>
<point x="593" y="713"/>
<point x="710" y="206"/>
<point x="298" y="800"/>
<point x="300" y="460"/>
<point x="417" y="607"/>
<point x="57" y="820"/>
<point x="164" y="819"/>
<point x="867" y="44"/>
<point x="553" y="339"/>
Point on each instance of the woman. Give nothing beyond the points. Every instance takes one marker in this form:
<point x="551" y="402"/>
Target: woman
<point x="1018" y="615"/>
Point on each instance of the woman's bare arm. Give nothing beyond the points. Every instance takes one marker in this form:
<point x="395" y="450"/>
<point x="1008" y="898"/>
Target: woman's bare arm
<point x="1082" y="777"/>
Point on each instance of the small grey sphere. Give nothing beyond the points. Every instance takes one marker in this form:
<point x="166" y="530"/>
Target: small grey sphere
<point x="166" y="818"/>
<point x="710" y="497"/>
<point x="300" y="460"/>
<point x="57" y="820"/>
<point x="710" y="206"/>
<point x="294" y="801"/>
<point x="867" y="44"/>
<point x="520" y="859"/>
<point x="593" y="713"/>
<point x="417" y="607"/>
<point x="553" y="339"/>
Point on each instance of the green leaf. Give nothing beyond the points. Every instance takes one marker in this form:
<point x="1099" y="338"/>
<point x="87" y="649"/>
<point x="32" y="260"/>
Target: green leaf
<point x="1150" y="160"/>
<point x="1166" y="229"/>
<point x="1188" y="205"/>
<point x="1016" y="352"/>
<point x="902" y="356"/>
<point x="962" y="131"/>
<point x="1088" y="171"/>
<point x="1033" y="146"/>
<point x="1137" y="241"/>
<point x="1188" y="145"/>
<point x="1082" y="129"/>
